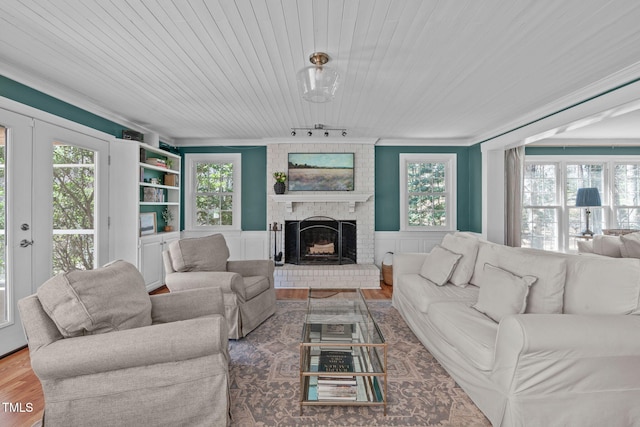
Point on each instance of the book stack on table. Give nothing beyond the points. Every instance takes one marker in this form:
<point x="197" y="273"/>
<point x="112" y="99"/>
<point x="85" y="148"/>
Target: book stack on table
<point x="336" y="387"/>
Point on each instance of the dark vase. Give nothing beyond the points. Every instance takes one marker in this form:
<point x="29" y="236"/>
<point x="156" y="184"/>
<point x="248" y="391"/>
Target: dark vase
<point x="279" y="187"/>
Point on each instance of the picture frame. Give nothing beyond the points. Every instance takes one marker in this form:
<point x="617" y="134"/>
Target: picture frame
<point x="148" y="223"/>
<point x="321" y="171"/>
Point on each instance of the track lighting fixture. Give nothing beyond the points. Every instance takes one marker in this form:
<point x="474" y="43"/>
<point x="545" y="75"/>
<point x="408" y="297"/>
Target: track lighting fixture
<point x="318" y="127"/>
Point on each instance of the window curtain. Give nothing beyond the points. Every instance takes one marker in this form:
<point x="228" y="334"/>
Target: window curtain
<point x="514" y="171"/>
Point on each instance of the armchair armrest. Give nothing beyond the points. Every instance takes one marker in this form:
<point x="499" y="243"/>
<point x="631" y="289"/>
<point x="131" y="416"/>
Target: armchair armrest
<point x="185" y="305"/>
<point x="260" y="267"/>
<point x="538" y="353"/>
<point x="149" y="345"/>
<point x="407" y="263"/>
<point x="227" y="281"/>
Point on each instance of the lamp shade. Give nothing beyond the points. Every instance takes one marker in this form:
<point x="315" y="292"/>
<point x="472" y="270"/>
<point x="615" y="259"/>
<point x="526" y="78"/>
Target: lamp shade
<point x="318" y="83"/>
<point x="588" y="197"/>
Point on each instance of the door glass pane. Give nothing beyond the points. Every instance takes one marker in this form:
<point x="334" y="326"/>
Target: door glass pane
<point x="74" y="192"/>
<point x="4" y="299"/>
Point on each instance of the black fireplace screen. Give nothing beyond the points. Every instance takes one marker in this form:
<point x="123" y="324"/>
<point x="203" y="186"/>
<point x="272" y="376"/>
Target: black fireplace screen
<point x="320" y="240"/>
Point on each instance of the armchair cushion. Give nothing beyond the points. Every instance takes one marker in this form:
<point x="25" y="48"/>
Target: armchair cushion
<point x="209" y="253"/>
<point x="255" y="285"/>
<point x="106" y="299"/>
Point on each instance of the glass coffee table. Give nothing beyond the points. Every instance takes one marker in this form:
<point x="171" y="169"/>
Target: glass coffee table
<point x="343" y="355"/>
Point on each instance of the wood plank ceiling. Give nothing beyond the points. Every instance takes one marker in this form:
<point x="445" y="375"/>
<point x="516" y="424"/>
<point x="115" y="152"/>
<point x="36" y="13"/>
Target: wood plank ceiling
<point x="226" y="69"/>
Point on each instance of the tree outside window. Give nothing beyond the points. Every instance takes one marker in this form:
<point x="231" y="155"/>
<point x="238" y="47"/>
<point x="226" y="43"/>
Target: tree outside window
<point x="214" y="194"/>
<point x="428" y="191"/>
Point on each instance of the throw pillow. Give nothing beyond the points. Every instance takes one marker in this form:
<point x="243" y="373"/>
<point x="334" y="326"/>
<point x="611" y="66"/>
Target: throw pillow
<point x="585" y="247"/>
<point x="439" y="264"/>
<point x="87" y="302"/>
<point x="503" y="293"/>
<point x="630" y="245"/>
<point x="468" y="249"/>
<point x="209" y="253"/>
<point x="607" y="245"/>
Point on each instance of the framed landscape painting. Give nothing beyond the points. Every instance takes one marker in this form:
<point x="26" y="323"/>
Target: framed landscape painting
<point x="320" y="172"/>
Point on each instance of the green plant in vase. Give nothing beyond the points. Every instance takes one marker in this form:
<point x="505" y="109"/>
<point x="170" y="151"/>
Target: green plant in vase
<point x="167" y="215"/>
<point x="280" y="178"/>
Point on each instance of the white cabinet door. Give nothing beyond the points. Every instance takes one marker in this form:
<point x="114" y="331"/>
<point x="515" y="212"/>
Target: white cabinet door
<point x="150" y="261"/>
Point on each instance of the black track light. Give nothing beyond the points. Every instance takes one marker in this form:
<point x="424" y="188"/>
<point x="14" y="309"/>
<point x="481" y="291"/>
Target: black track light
<point x="344" y="133"/>
<point x="309" y="133"/>
<point x="293" y="133"/>
<point x="326" y="133"/>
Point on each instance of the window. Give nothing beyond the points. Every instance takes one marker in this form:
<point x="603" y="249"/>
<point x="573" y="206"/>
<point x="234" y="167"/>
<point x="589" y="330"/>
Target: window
<point x="427" y="192"/>
<point x="213" y="192"/>
<point x="550" y="218"/>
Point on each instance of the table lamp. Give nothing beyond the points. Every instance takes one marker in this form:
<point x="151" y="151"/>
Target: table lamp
<point x="588" y="197"/>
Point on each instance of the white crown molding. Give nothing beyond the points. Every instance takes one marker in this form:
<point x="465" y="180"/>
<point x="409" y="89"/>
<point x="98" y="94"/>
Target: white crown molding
<point x="586" y="142"/>
<point x="425" y="142"/>
<point x="77" y="100"/>
<point x="591" y="99"/>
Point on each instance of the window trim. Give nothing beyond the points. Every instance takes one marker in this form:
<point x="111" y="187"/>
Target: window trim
<point x="190" y="159"/>
<point x="607" y="196"/>
<point x="451" y="161"/>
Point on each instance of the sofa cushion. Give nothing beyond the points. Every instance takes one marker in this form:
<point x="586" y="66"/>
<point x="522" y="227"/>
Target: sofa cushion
<point x="550" y="269"/>
<point x="607" y="245"/>
<point x="423" y="293"/>
<point x="601" y="285"/>
<point x="468" y="249"/>
<point x="470" y="332"/>
<point x="439" y="264"/>
<point x="255" y="285"/>
<point x="630" y="245"/>
<point x="86" y="302"/>
<point x="503" y="293"/>
<point x="209" y="253"/>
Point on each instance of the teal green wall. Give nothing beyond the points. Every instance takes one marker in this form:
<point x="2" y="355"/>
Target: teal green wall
<point x="33" y="98"/>
<point x="387" y="183"/>
<point x="254" y="184"/>
<point x="582" y="151"/>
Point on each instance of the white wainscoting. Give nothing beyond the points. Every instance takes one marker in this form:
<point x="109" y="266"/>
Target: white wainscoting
<point x="242" y="244"/>
<point x="405" y="241"/>
<point x="255" y="244"/>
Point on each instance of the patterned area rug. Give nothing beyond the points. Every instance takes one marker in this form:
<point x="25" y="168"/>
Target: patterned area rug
<point x="265" y="382"/>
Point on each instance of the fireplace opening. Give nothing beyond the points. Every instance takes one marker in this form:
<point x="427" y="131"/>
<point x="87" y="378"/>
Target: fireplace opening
<point x="320" y="240"/>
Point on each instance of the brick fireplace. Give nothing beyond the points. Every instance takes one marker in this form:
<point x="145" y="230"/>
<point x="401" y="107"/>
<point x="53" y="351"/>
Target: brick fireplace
<point x="355" y="206"/>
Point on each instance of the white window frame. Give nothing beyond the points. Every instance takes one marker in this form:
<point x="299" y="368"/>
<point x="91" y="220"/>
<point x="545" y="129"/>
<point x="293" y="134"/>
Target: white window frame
<point x="190" y="189"/>
<point x="450" y="160"/>
<point x="607" y="195"/>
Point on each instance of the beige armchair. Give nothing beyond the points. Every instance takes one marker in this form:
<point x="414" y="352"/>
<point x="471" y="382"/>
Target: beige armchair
<point x="247" y="286"/>
<point x="108" y="354"/>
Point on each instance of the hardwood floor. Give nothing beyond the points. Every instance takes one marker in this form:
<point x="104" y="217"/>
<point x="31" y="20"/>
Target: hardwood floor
<point x="21" y="398"/>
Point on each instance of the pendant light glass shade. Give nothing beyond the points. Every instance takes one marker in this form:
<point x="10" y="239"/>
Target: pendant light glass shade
<point x="318" y="83"/>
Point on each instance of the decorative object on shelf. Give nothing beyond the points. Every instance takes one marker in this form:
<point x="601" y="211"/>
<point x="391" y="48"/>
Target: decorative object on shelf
<point x="169" y="162"/>
<point x="588" y="198"/>
<point x="277" y="230"/>
<point x="167" y="215"/>
<point x="321" y="129"/>
<point x="318" y="83"/>
<point x="280" y="178"/>
<point x="132" y="135"/>
<point x="321" y="172"/>
<point x="171" y="180"/>
<point x="147" y="223"/>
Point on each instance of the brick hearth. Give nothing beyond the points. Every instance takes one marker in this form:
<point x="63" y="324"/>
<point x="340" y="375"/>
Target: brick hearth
<point x="327" y="276"/>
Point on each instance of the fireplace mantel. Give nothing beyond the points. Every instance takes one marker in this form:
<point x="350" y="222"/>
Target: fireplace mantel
<point x="342" y="197"/>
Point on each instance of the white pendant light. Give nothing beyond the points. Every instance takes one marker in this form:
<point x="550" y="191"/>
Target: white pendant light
<point x="318" y="83"/>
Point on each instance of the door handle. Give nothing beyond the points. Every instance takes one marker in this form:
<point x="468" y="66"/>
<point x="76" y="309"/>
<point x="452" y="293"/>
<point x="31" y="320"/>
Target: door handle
<point x="24" y="243"/>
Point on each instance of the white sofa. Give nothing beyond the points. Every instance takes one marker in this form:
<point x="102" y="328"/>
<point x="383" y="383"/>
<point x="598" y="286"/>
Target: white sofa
<point x="571" y="359"/>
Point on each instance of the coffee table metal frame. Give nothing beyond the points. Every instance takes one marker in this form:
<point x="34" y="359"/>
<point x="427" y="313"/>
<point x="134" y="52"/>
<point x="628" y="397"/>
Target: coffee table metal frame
<point x="367" y="345"/>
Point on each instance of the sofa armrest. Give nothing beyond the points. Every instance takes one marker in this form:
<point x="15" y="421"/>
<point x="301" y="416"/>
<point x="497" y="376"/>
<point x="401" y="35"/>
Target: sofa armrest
<point x="538" y="353"/>
<point x="227" y="281"/>
<point x="185" y="305"/>
<point x="130" y="348"/>
<point x="407" y="263"/>
<point x="260" y="267"/>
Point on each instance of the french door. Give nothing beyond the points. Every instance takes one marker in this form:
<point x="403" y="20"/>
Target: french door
<point x="53" y="213"/>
